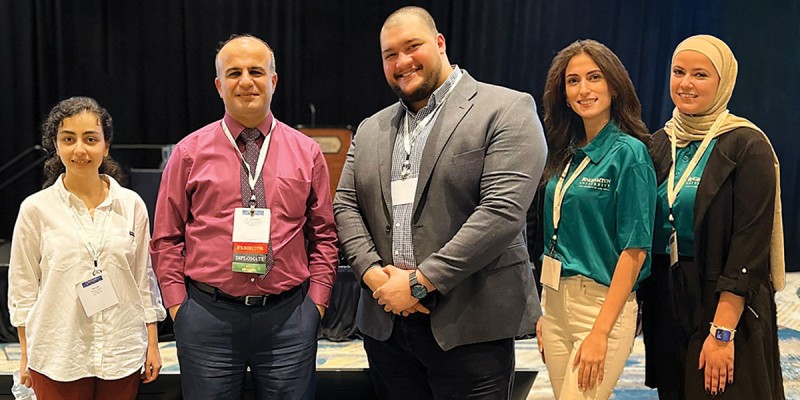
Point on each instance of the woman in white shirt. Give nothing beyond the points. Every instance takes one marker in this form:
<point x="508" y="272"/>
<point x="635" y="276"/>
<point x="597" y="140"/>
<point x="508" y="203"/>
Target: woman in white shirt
<point x="82" y="292"/>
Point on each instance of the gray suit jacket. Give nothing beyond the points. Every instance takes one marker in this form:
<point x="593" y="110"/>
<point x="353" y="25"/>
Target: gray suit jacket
<point x="479" y="171"/>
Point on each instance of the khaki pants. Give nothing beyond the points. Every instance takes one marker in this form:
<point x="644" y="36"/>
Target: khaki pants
<point x="569" y="315"/>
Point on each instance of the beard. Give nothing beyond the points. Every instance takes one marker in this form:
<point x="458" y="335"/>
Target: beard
<point x="423" y="91"/>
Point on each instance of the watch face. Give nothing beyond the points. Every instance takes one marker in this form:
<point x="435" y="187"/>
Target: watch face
<point x="722" y="335"/>
<point x="419" y="291"/>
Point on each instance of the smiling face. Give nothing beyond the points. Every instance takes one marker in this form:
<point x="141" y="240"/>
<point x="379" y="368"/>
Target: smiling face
<point x="80" y="144"/>
<point x="245" y="80"/>
<point x="693" y="83"/>
<point x="587" y="92"/>
<point x="414" y="60"/>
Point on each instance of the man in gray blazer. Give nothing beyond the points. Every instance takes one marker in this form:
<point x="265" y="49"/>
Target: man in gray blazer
<point x="431" y="209"/>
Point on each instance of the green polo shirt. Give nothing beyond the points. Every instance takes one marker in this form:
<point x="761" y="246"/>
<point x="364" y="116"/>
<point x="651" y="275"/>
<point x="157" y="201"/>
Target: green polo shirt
<point x="609" y="207"/>
<point x="683" y="209"/>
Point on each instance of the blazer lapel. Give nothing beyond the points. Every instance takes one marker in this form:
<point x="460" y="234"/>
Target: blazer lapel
<point x="453" y="111"/>
<point x="717" y="172"/>
<point x="386" y="141"/>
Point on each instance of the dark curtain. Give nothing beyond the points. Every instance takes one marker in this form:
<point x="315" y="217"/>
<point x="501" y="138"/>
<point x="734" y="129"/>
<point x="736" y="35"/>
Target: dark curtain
<point x="151" y="63"/>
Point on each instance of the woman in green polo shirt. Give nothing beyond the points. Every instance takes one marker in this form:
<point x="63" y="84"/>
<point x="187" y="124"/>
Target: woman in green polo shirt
<point x="709" y="307"/>
<point x="599" y="206"/>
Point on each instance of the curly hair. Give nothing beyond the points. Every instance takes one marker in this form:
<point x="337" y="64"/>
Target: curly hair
<point x="70" y="107"/>
<point x="563" y="126"/>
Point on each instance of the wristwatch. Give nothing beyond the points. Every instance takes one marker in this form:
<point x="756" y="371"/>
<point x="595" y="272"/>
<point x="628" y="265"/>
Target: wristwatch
<point x="722" y="333"/>
<point x="418" y="290"/>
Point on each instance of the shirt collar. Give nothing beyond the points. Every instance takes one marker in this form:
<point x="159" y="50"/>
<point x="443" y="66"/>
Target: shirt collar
<point x="69" y="198"/>
<point x="601" y="144"/>
<point x="236" y="127"/>
<point x="440" y="94"/>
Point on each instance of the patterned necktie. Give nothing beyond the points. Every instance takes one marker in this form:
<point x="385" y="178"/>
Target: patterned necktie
<point x="250" y="155"/>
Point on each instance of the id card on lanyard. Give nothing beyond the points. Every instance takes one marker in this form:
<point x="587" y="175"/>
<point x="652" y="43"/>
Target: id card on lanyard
<point x="551" y="266"/>
<point x="673" y="189"/>
<point x="251" y="226"/>
<point x="96" y="293"/>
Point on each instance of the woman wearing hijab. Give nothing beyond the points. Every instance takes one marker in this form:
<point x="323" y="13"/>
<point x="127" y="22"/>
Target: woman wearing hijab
<point x="82" y="293"/>
<point x="599" y="202"/>
<point x="709" y="307"/>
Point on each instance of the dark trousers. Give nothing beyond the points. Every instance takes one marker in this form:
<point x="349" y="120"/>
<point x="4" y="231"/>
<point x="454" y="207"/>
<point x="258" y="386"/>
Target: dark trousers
<point x="218" y="340"/>
<point x="85" y="388"/>
<point x="411" y="365"/>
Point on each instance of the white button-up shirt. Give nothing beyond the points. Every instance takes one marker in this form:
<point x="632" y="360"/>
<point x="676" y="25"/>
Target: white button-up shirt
<point x="49" y="258"/>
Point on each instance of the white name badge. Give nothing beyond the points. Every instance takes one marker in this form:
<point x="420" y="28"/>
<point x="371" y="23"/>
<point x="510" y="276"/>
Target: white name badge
<point x="551" y="272"/>
<point x="403" y="191"/>
<point x="673" y="249"/>
<point x="96" y="294"/>
<point x="251" y="233"/>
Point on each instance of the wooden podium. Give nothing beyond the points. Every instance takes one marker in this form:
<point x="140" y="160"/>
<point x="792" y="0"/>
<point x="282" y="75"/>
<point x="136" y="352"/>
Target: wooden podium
<point x="335" y="143"/>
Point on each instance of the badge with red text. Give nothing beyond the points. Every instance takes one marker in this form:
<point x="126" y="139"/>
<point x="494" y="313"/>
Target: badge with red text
<point x="251" y="240"/>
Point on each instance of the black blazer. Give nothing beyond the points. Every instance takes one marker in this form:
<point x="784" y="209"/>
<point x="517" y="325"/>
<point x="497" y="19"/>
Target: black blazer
<point x="733" y="223"/>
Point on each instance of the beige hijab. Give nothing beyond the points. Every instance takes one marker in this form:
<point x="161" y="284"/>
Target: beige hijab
<point x="685" y="128"/>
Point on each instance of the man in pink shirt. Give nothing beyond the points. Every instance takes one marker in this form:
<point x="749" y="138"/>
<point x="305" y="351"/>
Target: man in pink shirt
<point x="244" y="241"/>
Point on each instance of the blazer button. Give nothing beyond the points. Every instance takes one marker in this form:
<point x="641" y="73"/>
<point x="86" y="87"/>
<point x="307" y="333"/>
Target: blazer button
<point x="388" y="228"/>
<point x="744" y="270"/>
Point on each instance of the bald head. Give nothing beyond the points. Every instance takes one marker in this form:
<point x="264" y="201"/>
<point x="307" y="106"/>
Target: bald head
<point x="246" y="79"/>
<point x="404" y="14"/>
<point x="245" y="40"/>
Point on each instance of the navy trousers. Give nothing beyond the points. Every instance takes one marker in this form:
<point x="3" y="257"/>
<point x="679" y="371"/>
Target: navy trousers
<point x="217" y="341"/>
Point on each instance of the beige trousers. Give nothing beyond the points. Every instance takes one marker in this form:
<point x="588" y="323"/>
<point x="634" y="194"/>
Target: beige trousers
<point x="569" y="315"/>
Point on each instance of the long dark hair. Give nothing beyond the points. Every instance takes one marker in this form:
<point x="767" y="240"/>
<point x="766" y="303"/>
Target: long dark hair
<point x="71" y="107"/>
<point x="563" y="126"/>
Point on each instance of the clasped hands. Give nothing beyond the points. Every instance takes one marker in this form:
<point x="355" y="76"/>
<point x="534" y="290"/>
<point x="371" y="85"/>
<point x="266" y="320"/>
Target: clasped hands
<point x="391" y="288"/>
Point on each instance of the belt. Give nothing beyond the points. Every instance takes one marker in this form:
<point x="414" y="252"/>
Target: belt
<point x="250" y="301"/>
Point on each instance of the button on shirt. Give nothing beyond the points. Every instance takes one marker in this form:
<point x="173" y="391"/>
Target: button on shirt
<point x="49" y="258"/>
<point x="683" y="209"/>
<point x="402" y="240"/>
<point x="608" y="208"/>
<point x="200" y="188"/>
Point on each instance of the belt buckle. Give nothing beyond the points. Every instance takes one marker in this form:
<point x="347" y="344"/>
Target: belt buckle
<point x="255" y="300"/>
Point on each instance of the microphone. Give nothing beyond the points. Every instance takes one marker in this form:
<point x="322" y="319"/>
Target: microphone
<point x="313" y="114"/>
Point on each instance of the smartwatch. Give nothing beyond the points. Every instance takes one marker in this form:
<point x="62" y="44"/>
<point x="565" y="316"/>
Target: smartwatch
<point x="722" y="333"/>
<point x="418" y="290"/>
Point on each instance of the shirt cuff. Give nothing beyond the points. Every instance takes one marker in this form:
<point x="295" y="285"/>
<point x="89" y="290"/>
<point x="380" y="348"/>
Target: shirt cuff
<point x="19" y="316"/>
<point x="738" y="284"/>
<point x="173" y="294"/>
<point x="320" y="294"/>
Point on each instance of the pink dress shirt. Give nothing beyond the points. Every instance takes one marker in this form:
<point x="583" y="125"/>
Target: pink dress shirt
<point x="192" y="229"/>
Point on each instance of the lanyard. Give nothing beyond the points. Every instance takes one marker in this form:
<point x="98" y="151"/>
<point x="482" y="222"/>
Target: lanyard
<point x="672" y="188"/>
<point x="93" y="249"/>
<point x="561" y="190"/>
<point x="252" y="176"/>
<point x="409" y="139"/>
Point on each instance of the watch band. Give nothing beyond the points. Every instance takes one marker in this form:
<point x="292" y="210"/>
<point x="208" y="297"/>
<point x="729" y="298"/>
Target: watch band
<point x="722" y="333"/>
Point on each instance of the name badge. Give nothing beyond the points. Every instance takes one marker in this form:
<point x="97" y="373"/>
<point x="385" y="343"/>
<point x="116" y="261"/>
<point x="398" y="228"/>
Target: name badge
<point x="673" y="249"/>
<point x="96" y="294"/>
<point x="251" y="233"/>
<point x="551" y="272"/>
<point x="403" y="191"/>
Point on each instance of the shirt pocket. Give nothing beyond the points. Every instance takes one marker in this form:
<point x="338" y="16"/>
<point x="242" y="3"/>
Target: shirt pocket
<point x="62" y="251"/>
<point x="121" y="249"/>
<point x="290" y="197"/>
